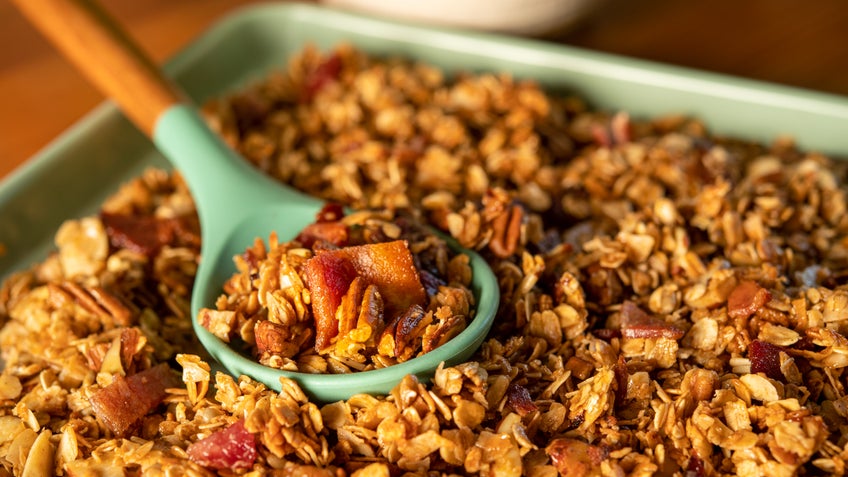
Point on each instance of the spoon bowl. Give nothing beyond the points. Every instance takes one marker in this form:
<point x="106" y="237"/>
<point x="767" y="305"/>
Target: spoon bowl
<point x="263" y="206"/>
<point x="236" y="203"/>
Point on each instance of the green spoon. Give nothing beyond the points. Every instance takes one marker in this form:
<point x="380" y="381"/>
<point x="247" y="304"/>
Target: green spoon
<point x="236" y="203"/>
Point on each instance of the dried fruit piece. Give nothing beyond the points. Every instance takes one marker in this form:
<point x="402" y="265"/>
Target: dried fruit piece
<point x="637" y="323"/>
<point x="147" y="234"/>
<point x="317" y="79"/>
<point x="765" y="358"/>
<point x="328" y="276"/>
<point x="519" y="398"/>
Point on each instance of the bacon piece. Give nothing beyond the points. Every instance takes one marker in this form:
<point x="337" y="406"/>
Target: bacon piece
<point x="636" y="323"/>
<point x="389" y="266"/>
<point x="746" y="299"/>
<point x="230" y="448"/>
<point x="330" y="212"/>
<point x="326" y="228"/>
<point x="335" y="233"/>
<point x="765" y="358"/>
<point x="316" y="80"/>
<point x="518" y="397"/>
<point x="123" y="403"/>
<point x="328" y="276"/>
<point x="617" y="131"/>
<point x="147" y="234"/>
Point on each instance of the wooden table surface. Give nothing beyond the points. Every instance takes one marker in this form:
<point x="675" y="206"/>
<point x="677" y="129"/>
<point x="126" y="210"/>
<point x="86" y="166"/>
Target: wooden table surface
<point x="785" y="41"/>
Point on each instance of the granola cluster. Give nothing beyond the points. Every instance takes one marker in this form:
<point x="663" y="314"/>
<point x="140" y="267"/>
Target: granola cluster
<point x="673" y="302"/>
<point x="351" y="292"/>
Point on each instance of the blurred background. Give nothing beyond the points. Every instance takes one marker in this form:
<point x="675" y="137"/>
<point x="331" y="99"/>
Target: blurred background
<point x="802" y="44"/>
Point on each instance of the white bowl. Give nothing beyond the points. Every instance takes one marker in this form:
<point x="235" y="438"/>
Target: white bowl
<point x="522" y="17"/>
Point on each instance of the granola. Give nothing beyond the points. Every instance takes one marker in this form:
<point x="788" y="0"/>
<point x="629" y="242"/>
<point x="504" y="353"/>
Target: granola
<point x="673" y="302"/>
<point x="351" y="292"/>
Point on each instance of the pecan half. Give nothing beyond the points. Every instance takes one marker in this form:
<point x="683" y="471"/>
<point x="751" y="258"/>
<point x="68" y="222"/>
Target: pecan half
<point x="275" y="339"/>
<point x="506" y="232"/>
<point x="95" y="300"/>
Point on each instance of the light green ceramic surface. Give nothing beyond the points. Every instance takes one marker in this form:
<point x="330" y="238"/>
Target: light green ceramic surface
<point x="236" y="203"/>
<point x="72" y="176"/>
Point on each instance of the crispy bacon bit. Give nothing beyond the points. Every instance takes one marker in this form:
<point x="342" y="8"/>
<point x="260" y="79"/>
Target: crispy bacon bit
<point x="599" y="453"/>
<point x="230" y="448"/>
<point x="746" y="299"/>
<point x="333" y="233"/>
<point x="765" y="358"/>
<point x="326" y="228"/>
<point x="322" y="75"/>
<point x="518" y="397"/>
<point x="328" y="276"/>
<point x="636" y="323"/>
<point x="330" y="212"/>
<point x="389" y="266"/>
<point x="123" y="403"/>
<point x="147" y="235"/>
<point x="616" y="131"/>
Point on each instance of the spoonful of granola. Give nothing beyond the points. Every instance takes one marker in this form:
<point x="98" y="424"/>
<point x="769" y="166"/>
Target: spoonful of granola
<point x="329" y="293"/>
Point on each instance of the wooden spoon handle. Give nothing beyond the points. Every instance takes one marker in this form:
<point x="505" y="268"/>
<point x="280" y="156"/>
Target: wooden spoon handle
<point x="102" y="50"/>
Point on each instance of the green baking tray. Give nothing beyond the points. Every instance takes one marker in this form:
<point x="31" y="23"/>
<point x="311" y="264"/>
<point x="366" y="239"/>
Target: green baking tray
<point x="72" y="176"/>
